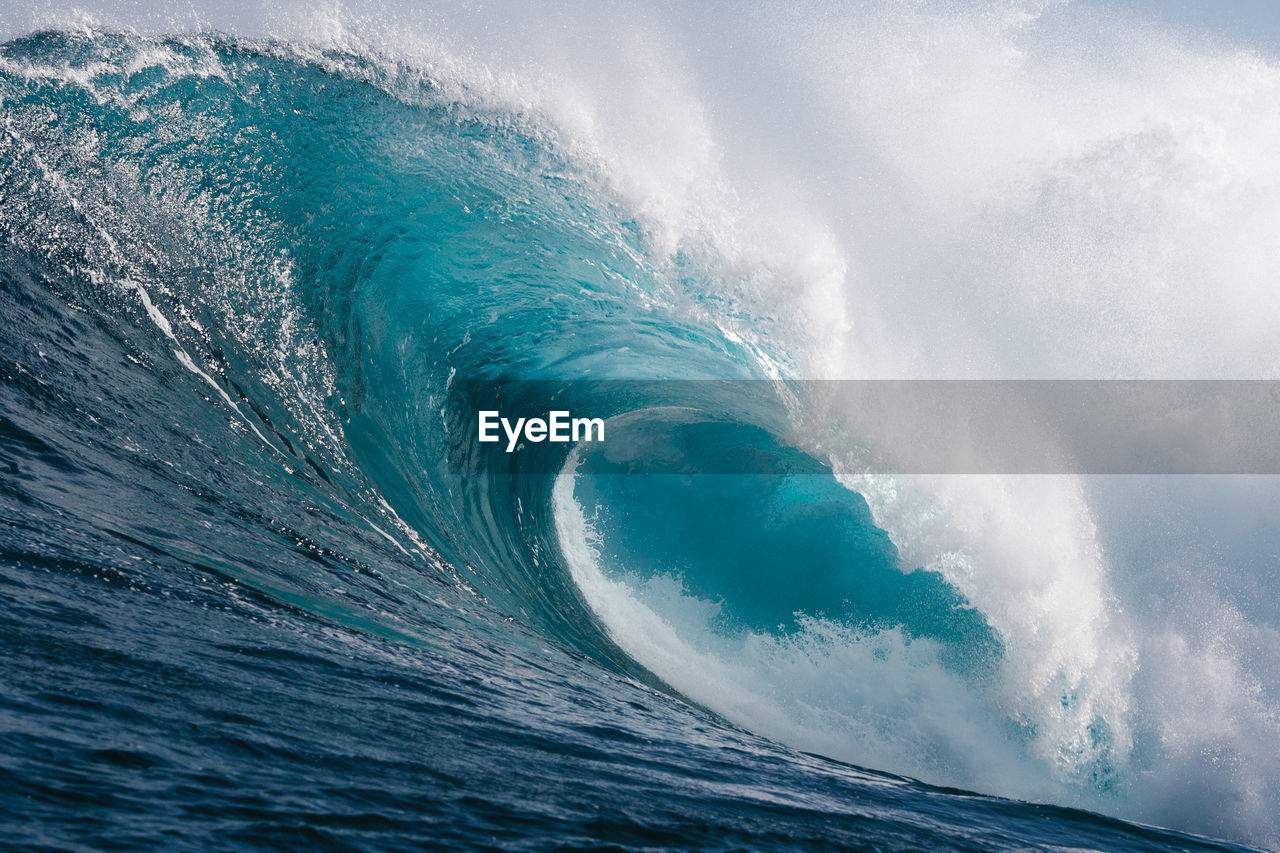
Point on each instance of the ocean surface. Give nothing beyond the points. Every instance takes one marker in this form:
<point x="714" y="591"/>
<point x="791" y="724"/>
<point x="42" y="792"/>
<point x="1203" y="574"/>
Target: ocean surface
<point x="249" y="601"/>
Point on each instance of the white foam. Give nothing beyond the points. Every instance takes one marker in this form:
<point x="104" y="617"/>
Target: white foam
<point x="876" y="699"/>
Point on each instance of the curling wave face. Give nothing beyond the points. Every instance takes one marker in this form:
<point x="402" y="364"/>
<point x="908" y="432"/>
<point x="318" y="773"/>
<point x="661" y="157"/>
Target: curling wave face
<point x="242" y="284"/>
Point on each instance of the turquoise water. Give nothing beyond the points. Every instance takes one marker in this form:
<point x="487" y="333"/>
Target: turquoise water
<point x="249" y="601"/>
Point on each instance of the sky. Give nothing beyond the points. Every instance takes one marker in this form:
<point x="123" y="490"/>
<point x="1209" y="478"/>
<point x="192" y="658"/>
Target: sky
<point x="1252" y="23"/>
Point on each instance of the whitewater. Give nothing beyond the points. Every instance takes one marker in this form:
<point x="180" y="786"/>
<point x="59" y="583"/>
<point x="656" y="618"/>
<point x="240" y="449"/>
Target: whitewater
<point x="261" y="587"/>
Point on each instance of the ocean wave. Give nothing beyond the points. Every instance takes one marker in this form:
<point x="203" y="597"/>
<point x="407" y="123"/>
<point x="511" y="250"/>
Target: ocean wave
<point x="246" y="282"/>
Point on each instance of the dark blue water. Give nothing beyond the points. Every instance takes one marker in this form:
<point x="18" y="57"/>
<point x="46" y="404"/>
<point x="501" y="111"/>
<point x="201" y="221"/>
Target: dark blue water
<point x="244" y="601"/>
